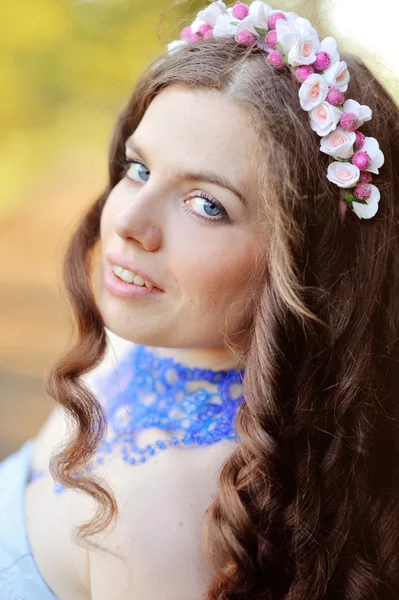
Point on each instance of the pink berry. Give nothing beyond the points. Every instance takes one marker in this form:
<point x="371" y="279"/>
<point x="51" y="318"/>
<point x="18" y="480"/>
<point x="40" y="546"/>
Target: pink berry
<point x="185" y="33"/>
<point x="365" y="177"/>
<point x="361" y="159"/>
<point x="349" y="122"/>
<point x="240" y="11"/>
<point x="274" y="17"/>
<point x="195" y="37"/>
<point x="275" y="59"/>
<point x="271" y="38"/>
<point x="322" y="61"/>
<point x="246" y="38"/>
<point x="359" y="140"/>
<point x="208" y="34"/>
<point x="362" y="191"/>
<point x="204" y="28"/>
<point x="303" y="72"/>
<point x="335" y="96"/>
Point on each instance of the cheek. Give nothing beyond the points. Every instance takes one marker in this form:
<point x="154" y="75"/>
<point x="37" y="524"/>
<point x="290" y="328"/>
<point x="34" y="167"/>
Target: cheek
<point x="214" y="279"/>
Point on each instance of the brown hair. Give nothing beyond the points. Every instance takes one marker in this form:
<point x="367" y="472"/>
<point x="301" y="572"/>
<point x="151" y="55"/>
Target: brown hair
<point x="307" y="504"/>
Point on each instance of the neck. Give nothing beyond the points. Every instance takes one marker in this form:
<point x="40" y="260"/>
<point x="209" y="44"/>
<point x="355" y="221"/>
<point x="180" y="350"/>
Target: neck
<point x="214" y="357"/>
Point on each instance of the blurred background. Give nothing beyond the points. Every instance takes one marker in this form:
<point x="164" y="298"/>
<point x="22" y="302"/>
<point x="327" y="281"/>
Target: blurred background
<point x="66" y="69"/>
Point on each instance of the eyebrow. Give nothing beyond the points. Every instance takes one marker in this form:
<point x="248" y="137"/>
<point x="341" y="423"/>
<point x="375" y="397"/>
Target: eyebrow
<point x="197" y="175"/>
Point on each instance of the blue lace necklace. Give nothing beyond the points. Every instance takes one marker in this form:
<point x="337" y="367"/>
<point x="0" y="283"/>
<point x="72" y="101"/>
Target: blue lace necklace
<point x="194" y="405"/>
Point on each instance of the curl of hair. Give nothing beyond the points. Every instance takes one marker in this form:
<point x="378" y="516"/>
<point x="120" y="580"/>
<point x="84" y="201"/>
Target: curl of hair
<point x="307" y="504"/>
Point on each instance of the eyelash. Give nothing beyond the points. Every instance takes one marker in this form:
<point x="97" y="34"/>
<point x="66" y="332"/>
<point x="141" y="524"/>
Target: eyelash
<point x="124" y="162"/>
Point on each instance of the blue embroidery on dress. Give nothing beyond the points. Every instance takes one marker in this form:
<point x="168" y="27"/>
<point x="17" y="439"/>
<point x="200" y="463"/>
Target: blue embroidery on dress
<point x="146" y="390"/>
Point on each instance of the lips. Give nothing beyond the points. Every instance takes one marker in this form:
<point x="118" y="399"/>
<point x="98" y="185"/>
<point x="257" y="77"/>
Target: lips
<point x="116" y="259"/>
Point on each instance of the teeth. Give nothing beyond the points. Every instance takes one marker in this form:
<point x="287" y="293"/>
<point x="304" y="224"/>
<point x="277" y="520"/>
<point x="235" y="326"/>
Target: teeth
<point x="130" y="277"/>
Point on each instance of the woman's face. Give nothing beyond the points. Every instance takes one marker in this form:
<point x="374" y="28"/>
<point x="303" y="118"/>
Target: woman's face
<point x="176" y="217"/>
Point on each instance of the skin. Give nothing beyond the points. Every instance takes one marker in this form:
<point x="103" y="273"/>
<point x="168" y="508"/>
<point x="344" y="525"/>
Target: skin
<point x="202" y="266"/>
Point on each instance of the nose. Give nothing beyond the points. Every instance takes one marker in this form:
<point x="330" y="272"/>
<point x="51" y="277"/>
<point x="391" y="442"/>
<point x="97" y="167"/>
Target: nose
<point x="141" y="218"/>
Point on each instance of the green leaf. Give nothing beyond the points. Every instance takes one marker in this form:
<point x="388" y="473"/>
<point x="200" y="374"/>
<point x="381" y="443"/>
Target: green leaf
<point x="279" y="47"/>
<point x="285" y="60"/>
<point x="349" y="198"/>
<point x="341" y="108"/>
<point x="261" y="32"/>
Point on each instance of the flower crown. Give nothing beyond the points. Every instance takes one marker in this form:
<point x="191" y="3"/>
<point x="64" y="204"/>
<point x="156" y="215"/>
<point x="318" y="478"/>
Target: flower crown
<point x="291" y="41"/>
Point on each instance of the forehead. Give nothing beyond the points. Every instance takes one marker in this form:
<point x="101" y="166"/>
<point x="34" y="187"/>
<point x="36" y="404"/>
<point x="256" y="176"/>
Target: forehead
<point x="195" y="129"/>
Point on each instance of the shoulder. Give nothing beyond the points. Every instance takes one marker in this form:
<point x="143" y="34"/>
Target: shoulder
<point x="156" y="545"/>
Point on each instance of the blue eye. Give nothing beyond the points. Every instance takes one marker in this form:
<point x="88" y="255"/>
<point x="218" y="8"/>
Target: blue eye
<point x="211" y="207"/>
<point x="136" y="169"/>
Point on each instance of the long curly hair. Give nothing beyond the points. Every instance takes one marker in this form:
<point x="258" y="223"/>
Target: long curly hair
<point x="307" y="504"/>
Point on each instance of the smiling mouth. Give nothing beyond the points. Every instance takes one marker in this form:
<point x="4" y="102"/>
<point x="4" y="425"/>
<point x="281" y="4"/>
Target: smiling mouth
<point x="131" y="278"/>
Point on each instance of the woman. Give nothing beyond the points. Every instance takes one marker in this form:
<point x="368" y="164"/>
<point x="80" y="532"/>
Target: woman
<point x="244" y="444"/>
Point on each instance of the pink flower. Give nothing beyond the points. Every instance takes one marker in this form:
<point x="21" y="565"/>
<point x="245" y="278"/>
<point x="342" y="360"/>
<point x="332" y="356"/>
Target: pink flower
<point x="312" y="92"/>
<point x="338" y="143"/>
<point x="324" y="118"/>
<point x="343" y="174"/>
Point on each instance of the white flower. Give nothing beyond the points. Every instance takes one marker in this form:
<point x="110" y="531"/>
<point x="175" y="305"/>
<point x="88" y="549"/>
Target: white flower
<point x="304" y="51"/>
<point x="259" y="12"/>
<point x="212" y="12"/>
<point x="362" y="111"/>
<point x="372" y="147"/>
<point x="175" y="45"/>
<point x="338" y="143"/>
<point x="324" y="118"/>
<point x="298" y="39"/>
<point x="287" y="34"/>
<point x="223" y="27"/>
<point x="343" y="174"/>
<point x="250" y="23"/>
<point x="313" y="91"/>
<point x="368" y="210"/>
<point x="337" y="75"/>
<point x="329" y="46"/>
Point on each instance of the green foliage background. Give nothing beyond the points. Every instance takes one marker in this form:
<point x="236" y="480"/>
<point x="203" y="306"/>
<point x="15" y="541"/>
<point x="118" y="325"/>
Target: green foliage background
<point x="66" y="67"/>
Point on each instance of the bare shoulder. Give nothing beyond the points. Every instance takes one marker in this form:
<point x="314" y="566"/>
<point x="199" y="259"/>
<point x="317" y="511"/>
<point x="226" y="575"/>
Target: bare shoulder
<point x="155" y="549"/>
